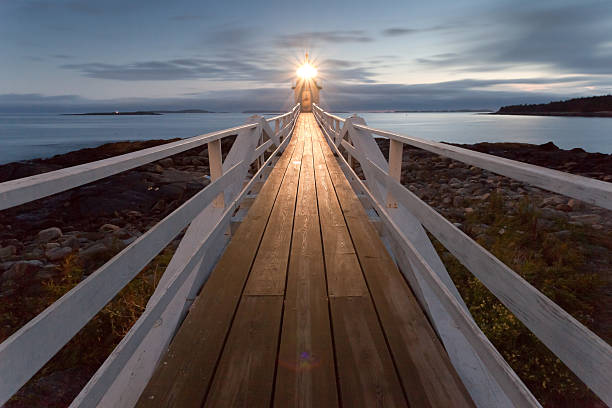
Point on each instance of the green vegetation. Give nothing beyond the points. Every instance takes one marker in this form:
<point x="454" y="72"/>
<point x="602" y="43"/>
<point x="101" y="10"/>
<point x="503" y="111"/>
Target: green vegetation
<point x="554" y="258"/>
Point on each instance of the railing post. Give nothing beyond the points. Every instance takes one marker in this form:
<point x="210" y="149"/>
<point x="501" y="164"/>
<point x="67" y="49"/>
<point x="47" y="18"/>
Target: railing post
<point x="215" y="163"/>
<point x="396" y="150"/>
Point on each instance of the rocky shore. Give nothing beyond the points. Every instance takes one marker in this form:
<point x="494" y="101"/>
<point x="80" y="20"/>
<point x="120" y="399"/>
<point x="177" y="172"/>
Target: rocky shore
<point x="89" y="224"/>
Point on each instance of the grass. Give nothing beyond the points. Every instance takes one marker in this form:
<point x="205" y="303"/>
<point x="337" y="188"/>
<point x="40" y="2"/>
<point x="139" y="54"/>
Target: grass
<point x="557" y="267"/>
<point x="90" y="347"/>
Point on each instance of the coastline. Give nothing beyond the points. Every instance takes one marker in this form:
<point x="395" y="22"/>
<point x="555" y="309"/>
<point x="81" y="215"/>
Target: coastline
<point x="43" y="243"/>
<point x="606" y="114"/>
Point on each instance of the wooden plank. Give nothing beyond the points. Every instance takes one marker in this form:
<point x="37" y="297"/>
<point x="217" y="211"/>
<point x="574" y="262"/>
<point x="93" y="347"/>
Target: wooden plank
<point x="246" y="371"/>
<point x="344" y="277"/>
<point x="366" y="373"/>
<point x="184" y="374"/>
<point x="215" y="164"/>
<point x="269" y="271"/>
<point x="28" y="349"/>
<point x="586" y="354"/>
<point x="487" y="376"/>
<point x="245" y="375"/>
<point x="106" y="387"/>
<point x="425" y="370"/>
<point x="306" y="372"/>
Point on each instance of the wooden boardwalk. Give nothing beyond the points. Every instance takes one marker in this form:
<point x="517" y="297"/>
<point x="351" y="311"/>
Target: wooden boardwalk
<point x="305" y="308"/>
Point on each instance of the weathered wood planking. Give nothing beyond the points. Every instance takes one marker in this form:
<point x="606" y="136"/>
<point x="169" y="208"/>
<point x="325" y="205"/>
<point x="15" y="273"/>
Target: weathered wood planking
<point x="306" y="372"/>
<point x="482" y="383"/>
<point x="184" y="374"/>
<point x="269" y="271"/>
<point x="586" y="354"/>
<point x="366" y="373"/>
<point x="245" y="373"/>
<point x="425" y="370"/>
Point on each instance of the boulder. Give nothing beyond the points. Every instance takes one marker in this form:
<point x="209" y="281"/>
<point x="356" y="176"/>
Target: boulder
<point x="93" y="252"/>
<point x="7" y="251"/>
<point x="167" y="162"/>
<point x="575" y="205"/>
<point x="586" y="218"/>
<point x="56" y="254"/>
<point x="109" y="228"/>
<point x="52" y="245"/>
<point x="22" y="270"/>
<point x="49" y="234"/>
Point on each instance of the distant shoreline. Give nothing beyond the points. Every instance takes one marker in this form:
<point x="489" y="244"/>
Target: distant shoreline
<point x="605" y="114"/>
<point x="593" y="106"/>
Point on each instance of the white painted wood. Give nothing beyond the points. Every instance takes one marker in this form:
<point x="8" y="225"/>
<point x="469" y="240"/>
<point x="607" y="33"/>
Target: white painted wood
<point x="31" y="188"/>
<point x="583" y="188"/>
<point x="91" y="396"/>
<point x="480" y="383"/>
<point x="587" y="355"/>
<point x="28" y="349"/>
<point x="514" y="388"/>
<point x="396" y="150"/>
<point x="215" y="164"/>
<point x="135" y="374"/>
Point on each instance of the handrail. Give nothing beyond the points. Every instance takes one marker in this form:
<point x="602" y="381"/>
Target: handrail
<point x="583" y="188"/>
<point x="587" y="355"/>
<point x="99" y="383"/>
<point x="28" y="349"/>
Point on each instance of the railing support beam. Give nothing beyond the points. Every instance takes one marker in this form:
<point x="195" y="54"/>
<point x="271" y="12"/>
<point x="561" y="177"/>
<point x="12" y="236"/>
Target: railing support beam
<point x="215" y="163"/>
<point x="396" y="151"/>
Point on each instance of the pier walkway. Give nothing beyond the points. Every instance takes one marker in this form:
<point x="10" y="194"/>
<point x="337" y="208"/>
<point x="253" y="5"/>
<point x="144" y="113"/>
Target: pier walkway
<point x="305" y="276"/>
<point x="305" y="307"/>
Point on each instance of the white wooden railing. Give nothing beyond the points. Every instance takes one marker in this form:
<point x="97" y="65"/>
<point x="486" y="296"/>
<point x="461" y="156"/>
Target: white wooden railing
<point x="123" y="376"/>
<point x="488" y="378"/>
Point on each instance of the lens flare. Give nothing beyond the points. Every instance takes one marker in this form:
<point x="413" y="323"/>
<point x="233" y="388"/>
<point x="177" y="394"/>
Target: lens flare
<point x="306" y="71"/>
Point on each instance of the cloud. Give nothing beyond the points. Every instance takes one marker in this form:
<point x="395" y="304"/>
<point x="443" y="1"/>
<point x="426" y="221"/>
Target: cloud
<point x="217" y="68"/>
<point x="400" y="31"/>
<point x="304" y="39"/>
<point x="461" y="94"/>
<point x="568" y="38"/>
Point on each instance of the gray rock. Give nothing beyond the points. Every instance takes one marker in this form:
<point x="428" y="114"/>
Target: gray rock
<point x="52" y="245"/>
<point x="109" y="228"/>
<point x="552" y="201"/>
<point x="21" y="270"/>
<point x="7" y="251"/>
<point x="72" y="242"/>
<point x="575" y="205"/>
<point x="93" y="251"/>
<point x="56" y="254"/>
<point x="458" y="201"/>
<point x="586" y="218"/>
<point x="167" y="162"/>
<point x="49" y="234"/>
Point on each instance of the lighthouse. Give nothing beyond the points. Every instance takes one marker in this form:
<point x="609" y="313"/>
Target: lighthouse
<point x="306" y="87"/>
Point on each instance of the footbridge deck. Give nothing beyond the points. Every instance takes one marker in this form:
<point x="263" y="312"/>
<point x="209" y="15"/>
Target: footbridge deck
<point x="305" y="307"/>
<point x="328" y="293"/>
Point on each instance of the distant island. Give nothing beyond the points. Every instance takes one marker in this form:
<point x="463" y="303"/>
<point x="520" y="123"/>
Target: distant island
<point x="595" y="106"/>
<point x="157" y="112"/>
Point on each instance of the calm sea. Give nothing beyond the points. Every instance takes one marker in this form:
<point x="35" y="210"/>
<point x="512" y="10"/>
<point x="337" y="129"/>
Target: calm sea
<point x="28" y="136"/>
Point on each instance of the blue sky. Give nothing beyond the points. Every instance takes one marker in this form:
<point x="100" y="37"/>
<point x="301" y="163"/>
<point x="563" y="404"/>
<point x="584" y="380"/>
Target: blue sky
<point x="73" y="55"/>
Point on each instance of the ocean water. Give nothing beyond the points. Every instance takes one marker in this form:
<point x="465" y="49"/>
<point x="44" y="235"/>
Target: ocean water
<point x="29" y="136"/>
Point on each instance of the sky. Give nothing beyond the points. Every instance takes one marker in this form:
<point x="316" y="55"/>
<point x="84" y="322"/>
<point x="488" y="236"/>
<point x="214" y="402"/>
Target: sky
<point x="76" y="55"/>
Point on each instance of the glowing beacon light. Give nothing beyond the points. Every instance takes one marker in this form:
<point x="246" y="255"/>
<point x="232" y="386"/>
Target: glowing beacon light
<point x="306" y="87"/>
<point x="306" y="71"/>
